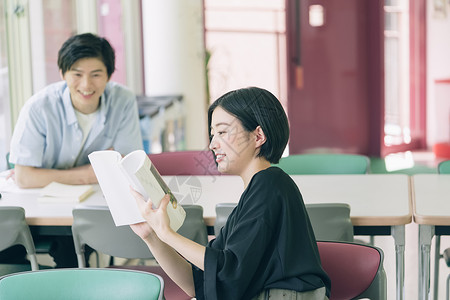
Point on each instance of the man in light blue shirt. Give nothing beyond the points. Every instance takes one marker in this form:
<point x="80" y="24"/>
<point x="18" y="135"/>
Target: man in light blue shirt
<point x="61" y="125"/>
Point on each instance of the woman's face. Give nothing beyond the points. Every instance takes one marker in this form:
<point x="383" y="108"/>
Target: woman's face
<point x="233" y="146"/>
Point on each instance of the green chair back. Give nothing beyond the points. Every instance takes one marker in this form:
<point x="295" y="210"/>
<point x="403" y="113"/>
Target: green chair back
<point x="331" y="221"/>
<point x="14" y="230"/>
<point x="444" y="167"/>
<point x="8" y="164"/>
<point x="304" y="164"/>
<point x="75" y="284"/>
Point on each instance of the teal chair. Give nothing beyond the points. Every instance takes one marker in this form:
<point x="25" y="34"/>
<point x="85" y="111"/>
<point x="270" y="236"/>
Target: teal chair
<point x="331" y="221"/>
<point x="330" y="163"/>
<point x="75" y="284"/>
<point x="443" y="168"/>
<point x="15" y="231"/>
<point x="43" y="244"/>
<point x="8" y="164"/>
<point x="94" y="226"/>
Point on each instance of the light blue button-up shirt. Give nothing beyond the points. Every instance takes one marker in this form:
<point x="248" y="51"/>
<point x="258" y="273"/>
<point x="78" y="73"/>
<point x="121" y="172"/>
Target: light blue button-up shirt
<point x="47" y="133"/>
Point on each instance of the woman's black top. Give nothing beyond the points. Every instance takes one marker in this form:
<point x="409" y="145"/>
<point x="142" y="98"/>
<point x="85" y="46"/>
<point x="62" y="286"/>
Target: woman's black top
<point x="267" y="242"/>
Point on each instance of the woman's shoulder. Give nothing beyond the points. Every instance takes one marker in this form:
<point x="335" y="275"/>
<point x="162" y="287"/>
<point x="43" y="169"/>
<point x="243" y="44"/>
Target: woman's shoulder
<point x="272" y="174"/>
<point x="272" y="181"/>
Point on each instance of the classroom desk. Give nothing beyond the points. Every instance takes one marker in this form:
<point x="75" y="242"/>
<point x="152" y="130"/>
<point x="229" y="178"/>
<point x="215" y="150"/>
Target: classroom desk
<point x="380" y="204"/>
<point x="44" y="218"/>
<point x="431" y="209"/>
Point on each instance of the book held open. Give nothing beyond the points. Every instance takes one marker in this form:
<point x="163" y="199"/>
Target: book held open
<point x="115" y="175"/>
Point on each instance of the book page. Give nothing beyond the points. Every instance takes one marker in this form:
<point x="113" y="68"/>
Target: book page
<point x="146" y="180"/>
<point x="115" y="187"/>
<point x="137" y="166"/>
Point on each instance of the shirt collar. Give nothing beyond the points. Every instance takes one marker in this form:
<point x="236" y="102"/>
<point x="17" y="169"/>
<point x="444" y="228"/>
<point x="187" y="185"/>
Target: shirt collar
<point x="70" y="110"/>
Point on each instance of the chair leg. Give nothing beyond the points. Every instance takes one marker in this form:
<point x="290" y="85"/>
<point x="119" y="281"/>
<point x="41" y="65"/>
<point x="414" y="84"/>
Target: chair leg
<point x="437" y="258"/>
<point x="33" y="261"/>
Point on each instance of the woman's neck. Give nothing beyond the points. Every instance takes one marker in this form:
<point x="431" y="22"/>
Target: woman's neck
<point x="258" y="164"/>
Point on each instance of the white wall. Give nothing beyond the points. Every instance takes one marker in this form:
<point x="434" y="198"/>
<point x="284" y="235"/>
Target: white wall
<point x="174" y="60"/>
<point x="438" y="67"/>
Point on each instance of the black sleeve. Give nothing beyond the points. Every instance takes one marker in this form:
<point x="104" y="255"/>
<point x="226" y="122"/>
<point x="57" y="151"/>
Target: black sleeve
<point x="233" y="260"/>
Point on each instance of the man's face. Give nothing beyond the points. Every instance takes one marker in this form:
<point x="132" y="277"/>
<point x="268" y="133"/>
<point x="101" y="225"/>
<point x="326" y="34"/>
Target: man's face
<point x="86" y="79"/>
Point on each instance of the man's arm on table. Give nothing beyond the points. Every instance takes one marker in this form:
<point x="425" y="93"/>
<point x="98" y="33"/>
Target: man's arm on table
<point x="32" y="177"/>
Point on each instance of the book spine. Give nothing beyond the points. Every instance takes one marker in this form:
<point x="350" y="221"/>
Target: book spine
<point x="163" y="185"/>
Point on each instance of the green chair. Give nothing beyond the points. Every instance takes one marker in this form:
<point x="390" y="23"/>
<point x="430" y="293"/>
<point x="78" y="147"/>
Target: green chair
<point x="94" y="226"/>
<point x="443" y="168"/>
<point x="15" y="231"/>
<point x="8" y="164"/>
<point x="331" y="163"/>
<point x="42" y="246"/>
<point x="75" y="284"/>
<point x="331" y="221"/>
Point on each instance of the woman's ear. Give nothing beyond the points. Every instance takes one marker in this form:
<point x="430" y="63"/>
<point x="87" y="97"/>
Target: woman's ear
<point x="61" y="74"/>
<point x="260" y="136"/>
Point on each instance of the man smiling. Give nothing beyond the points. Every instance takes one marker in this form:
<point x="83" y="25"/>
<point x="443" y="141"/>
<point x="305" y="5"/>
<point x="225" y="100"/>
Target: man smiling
<point x="62" y="124"/>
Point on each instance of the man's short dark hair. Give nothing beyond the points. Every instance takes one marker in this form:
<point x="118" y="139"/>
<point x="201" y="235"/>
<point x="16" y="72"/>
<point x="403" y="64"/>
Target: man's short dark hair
<point x="86" y="45"/>
<point x="258" y="107"/>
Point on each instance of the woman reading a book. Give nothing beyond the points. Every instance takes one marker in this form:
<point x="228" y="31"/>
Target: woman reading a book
<point x="267" y="247"/>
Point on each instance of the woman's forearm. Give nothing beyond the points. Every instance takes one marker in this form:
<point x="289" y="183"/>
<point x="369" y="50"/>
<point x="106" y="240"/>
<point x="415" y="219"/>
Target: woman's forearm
<point x="175" y="265"/>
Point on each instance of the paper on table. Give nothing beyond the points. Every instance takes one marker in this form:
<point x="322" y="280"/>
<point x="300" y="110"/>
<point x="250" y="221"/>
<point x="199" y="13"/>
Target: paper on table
<point x="56" y="192"/>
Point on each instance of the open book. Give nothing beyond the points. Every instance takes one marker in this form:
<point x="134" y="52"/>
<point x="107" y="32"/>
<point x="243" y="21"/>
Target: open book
<point x="56" y="192"/>
<point x="115" y="175"/>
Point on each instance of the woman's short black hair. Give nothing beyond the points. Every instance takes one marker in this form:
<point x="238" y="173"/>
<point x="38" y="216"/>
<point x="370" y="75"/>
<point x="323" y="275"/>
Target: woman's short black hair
<point x="86" y="45"/>
<point x="255" y="106"/>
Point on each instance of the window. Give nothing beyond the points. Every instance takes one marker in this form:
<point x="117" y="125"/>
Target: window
<point x="5" y="121"/>
<point x="52" y="22"/>
<point x="247" y="46"/>
<point x="397" y="98"/>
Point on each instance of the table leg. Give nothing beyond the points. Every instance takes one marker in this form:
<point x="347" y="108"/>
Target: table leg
<point x="398" y="232"/>
<point x="437" y="258"/>
<point x="426" y="233"/>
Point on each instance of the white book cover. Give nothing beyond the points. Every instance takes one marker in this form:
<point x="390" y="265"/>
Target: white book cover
<point x="115" y="175"/>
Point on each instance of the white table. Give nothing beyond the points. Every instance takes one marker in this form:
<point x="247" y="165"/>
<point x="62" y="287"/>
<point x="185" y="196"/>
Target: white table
<point x="432" y="212"/>
<point x="380" y="204"/>
<point x="46" y="214"/>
